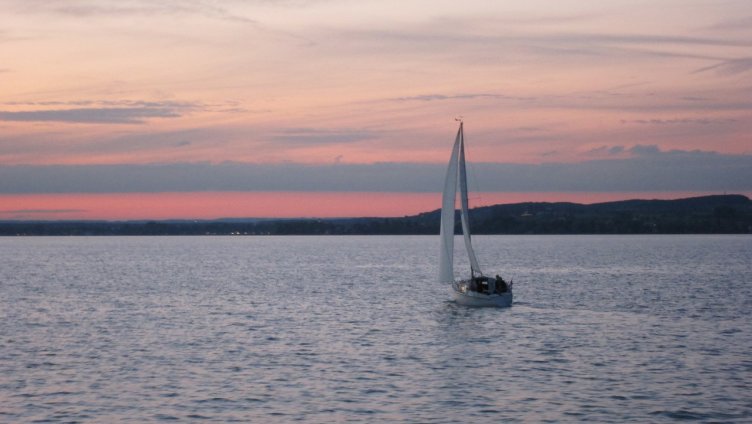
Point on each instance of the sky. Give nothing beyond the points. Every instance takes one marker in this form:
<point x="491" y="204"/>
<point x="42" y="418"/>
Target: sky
<point x="203" y="109"/>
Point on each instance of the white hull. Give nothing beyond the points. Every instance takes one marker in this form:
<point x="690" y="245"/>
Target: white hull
<point x="471" y="298"/>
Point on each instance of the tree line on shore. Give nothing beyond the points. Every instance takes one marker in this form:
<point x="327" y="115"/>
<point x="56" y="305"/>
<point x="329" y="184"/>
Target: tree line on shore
<point x="719" y="214"/>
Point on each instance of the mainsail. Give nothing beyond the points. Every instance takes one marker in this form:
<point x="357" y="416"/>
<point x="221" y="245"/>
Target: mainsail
<point x="455" y="170"/>
<point x="446" y="256"/>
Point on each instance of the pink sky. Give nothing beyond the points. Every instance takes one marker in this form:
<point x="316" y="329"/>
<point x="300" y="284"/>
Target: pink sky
<point x="215" y="205"/>
<point x="108" y="83"/>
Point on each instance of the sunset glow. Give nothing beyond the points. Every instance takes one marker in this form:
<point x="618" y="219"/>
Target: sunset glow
<point x="548" y="91"/>
<point x="216" y="205"/>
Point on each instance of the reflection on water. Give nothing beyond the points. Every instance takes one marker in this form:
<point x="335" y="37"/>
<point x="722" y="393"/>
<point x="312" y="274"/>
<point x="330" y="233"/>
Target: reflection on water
<point x="322" y="329"/>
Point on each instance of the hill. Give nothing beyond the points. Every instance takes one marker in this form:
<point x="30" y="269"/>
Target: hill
<point x="729" y="214"/>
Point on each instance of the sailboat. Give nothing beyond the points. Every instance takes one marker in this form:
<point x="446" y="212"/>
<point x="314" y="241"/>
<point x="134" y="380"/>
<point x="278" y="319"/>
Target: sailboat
<point x="478" y="289"/>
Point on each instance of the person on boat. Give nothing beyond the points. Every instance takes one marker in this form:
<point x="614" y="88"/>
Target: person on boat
<point x="501" y="285"/>
<point x="481" y="283"/>
<point x="491" y="286"/>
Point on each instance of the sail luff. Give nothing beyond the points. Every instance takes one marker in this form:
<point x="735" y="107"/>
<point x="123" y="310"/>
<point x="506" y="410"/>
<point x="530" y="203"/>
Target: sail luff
<point x="446" y="255"/>
<point x="474" y="267"/>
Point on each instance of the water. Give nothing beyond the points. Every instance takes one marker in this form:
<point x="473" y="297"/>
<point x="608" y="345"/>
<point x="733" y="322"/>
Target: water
<point x="333" y="329"/>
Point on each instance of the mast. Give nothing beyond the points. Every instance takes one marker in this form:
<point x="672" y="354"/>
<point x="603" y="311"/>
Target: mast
<point x="474" y="267"/>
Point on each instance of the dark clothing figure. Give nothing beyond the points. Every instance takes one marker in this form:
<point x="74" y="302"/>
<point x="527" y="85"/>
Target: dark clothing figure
<point x="482" y="284"/>
<point x="501" y="285"/>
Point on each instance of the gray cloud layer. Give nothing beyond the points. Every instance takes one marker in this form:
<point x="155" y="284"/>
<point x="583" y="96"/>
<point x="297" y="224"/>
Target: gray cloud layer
<point x="648" y="170"/>
<point x="93" y="9"/>
<point x="91" y="115"/>
<point x="101" y="111"/>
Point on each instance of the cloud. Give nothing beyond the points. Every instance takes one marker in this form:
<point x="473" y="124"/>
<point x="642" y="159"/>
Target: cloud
<point x="132" y="115"/>
<point x="316" y="136"/>
<point x="650" y="150"/>
<point x="644" y="103"/>
<point x="596" y="99"/>
<point x="678" y="121"/>
<point x="427" y="35"/>
<point x="130" y="12"/>
<point x="740" y="23"/>
<point x="40" y="211"/>
<point x="125" y="8"/>
<point x="112" y="103"/>
<point x="440" y="37"/>
<point x="729" y="67"/>
<point x="468" y="96"/>
<point x="102" y="111"/>
<point x="174" y="105"/>
<point x="645" y="150"/>
<point x="607" y="151"/>
<point x="647" y="39"/>
<point x="647" y="169"/>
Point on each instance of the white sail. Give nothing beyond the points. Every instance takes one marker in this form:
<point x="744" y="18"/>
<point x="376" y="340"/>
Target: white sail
<point x="474" y="267"/>
<point x="478" y="290"/>
<point x="446" y="256"/>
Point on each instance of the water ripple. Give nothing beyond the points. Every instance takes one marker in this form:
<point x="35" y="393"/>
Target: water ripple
<point x="332" y="329"/>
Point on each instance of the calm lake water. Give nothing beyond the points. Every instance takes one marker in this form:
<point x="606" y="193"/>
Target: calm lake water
<point x="334" y="329"/>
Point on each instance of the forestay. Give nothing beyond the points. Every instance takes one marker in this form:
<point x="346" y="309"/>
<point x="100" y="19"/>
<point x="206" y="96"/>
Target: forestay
<point x="474" y="267"/>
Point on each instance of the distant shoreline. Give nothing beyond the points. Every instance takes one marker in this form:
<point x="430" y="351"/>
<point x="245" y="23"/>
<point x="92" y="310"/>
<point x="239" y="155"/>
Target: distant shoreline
<point x="717" y="214"/>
